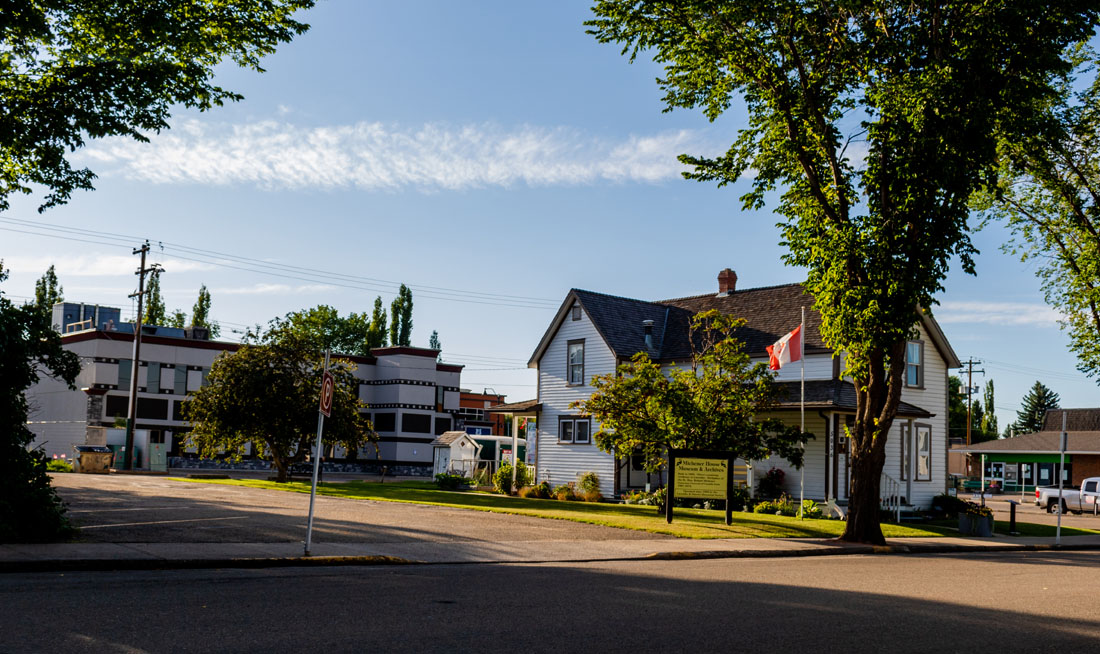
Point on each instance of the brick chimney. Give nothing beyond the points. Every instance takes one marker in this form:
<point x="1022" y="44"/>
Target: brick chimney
<point x="727" y="282"/>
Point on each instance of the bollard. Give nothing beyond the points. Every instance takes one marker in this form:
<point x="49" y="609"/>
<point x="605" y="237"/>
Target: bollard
<point x="1012" y="518"/>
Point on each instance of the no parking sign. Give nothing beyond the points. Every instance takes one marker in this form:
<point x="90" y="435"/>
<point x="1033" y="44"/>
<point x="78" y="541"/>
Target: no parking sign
<point x="328" y="385"/>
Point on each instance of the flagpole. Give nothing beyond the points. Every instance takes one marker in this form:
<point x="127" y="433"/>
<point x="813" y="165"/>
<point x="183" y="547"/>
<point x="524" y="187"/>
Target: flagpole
<point x="802" y="411"/>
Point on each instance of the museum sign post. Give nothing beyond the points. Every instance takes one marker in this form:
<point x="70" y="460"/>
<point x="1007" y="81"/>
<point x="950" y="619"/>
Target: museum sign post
<point x="701" y="475"/>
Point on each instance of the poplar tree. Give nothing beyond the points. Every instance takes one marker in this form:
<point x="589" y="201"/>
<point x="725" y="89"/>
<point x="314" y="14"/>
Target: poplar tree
<point x="154" y="304"/>
<point x="47" y="291"/>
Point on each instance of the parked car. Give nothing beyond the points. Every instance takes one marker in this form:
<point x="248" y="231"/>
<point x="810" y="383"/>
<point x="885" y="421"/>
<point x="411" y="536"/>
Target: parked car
<point x="1077" y="500"/>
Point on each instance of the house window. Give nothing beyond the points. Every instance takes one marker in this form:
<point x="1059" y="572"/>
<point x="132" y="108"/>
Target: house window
<point x="574" y="430"/>
<point x="906" y="451"/>
<point x="575" y="374"/>
<point x="923" y="448"/>
<point x="914" y="364"/>
<point x="576" y="312"/>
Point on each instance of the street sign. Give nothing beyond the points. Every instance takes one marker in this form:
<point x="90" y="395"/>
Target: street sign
<point x="328" y="385"/>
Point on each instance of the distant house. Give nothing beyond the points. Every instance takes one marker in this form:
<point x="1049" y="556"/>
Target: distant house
<point x="1032" y="459"/>
<point x="592" y="333"/>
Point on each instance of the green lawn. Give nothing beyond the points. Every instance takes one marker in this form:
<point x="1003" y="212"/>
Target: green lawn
<point x="688" y="523"/>
<point x="1028" y="529"/>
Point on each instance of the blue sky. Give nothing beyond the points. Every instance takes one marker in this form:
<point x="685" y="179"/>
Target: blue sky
<point x="490" y="155"/>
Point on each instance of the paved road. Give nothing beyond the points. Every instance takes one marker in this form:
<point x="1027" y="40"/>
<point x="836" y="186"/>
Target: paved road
<point x="145" y="509"/>
<point x="1035" y="602"/>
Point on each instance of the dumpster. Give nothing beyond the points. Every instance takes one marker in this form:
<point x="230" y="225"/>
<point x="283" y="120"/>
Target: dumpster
<point x="94" y="459"/>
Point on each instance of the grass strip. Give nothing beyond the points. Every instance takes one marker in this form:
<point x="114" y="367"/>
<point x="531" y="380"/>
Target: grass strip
<point x="687" y="523"/>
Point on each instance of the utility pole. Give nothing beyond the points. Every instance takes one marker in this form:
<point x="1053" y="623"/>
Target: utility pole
<point x="131" y="413"/>
<point x="969" y="390"/>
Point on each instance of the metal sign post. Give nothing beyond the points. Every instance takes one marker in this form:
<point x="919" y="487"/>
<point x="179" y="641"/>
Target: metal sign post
<point x="1061" y="476"/>
<point x="328" y="384"/>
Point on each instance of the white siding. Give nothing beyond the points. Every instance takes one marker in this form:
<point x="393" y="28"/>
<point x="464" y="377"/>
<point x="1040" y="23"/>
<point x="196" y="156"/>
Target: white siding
<point x="560" y="463"/>
<point x="814" y="458"/>
<point x="933" y="399"/>
<point x="818" y="366"/>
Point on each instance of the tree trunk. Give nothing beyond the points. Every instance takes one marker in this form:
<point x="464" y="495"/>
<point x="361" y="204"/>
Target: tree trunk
<point x="876" y="405"/>
<point x="280" y="469"/>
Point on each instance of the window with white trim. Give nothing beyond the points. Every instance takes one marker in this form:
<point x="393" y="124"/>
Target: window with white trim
<point x="906" y="450"/>
<point x="923" y="448"/>
<point x="574" y="430"/>
<point x="575" y="363"/>
<point x="914" y="364"/>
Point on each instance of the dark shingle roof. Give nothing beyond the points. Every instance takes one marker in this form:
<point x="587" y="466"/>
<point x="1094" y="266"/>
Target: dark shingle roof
<point x="516" y="407"/>
<point x="1076" y="420"/>
<point x="769" y="313"/>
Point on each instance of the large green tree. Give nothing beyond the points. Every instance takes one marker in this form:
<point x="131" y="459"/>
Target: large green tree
<point x="30" y="509"/>
<point x="1034" y="407"/>
<point x="266" y="394"/>
<point x="74" y="70"/>
<point x="200" y="313"/>
<point x="1050" y="199"/>
<point x="376" y="332"/>
<point x="48" y="291"/>
<point x="921" y="89"/>
<point x="716" y="404"/>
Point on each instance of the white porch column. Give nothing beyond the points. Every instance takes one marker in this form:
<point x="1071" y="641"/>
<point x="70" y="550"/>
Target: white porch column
<point x="911" y="473"/>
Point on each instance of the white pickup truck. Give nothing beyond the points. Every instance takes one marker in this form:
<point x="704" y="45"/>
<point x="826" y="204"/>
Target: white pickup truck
<point x="1073" y="499"/>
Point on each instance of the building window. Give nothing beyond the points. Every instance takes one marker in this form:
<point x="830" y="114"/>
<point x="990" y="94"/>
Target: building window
<point x="575" y="374"/>
<point x="416" y="423"/>
<point x="385" y="422"/>
<point x="574" y="430"/>
<point x="124" y="367"/>
<point x="923" y="448"/>
<point x="906" y="453"/>
<point x="576" y="312"/>
<point x="914" y="364"/>
<point x="442" y="425"/>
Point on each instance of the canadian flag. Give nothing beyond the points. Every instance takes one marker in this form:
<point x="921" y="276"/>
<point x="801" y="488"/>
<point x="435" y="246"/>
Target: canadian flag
<point x="786" y="349"/>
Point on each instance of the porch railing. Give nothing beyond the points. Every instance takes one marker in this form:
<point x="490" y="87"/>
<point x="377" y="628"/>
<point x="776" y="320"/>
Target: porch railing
<point x="890" y="489"/>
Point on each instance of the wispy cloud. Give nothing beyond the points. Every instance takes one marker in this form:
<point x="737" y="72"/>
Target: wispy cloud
<point x="999" y="313"/>
<point x="110" y="265"/>
<point x="272" y="289"/>
<point x="377" y="156"/>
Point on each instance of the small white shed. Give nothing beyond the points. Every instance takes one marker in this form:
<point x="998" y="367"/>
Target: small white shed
<point x="455" y="452"/>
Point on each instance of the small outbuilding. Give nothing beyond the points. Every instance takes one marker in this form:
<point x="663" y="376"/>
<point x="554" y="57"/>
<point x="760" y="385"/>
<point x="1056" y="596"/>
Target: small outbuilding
<point x="456" y="453"/>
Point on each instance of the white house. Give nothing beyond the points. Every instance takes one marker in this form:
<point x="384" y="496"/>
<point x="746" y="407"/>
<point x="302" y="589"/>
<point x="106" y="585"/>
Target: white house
<point x="412" y="398"/>
<point x="592" y="333"/>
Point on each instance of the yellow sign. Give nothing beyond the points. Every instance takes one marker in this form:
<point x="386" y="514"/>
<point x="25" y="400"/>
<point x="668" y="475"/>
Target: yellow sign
<point x="703" y="479"/>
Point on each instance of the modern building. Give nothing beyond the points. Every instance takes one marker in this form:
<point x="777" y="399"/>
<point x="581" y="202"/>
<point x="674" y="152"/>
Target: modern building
<point x="592" y="333"/>
<point x="411" y="397"/>
<point x="1032" y="459"/>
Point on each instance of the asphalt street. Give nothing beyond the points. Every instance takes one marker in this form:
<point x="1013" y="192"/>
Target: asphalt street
<point x="148" y="509"/>
<point x="1009" y="602"/>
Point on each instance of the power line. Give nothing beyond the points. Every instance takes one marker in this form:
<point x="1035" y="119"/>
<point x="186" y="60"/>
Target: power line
<point x="302" y="273"/>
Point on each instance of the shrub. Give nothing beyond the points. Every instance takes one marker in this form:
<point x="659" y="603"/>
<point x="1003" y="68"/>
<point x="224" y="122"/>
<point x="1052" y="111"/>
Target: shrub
<point x="502" y="480"/>
<point x="740" y="498"/>
<point x="658" y="498"/>
<point x="58" y="465"/>
<point x="451" y="482"/>
<point x="771" y="484"/>
<point x="810" y="509"/>
<point x="590" y="487"/>
<point x="635" y="497"/>
<point x="564" y="493"/>
<point x="781" y="506"/>
<point x="948" y="505"/>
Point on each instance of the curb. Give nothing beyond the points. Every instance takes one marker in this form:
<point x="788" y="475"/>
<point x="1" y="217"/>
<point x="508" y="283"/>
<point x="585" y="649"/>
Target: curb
<point x="106" y="565"/>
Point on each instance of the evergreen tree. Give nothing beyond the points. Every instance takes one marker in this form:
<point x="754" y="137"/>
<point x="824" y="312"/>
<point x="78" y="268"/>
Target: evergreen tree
<point x="401" y="317"/>
<point x="1034" y="407"/>
<point x="376" y="331"/>
<point x="155" y="313"/>
<point x="200" y="313"/>
<point x="47" y="291"/>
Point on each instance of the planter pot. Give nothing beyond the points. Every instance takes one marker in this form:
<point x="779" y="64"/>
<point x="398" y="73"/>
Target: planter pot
<point x="976" y="525"/>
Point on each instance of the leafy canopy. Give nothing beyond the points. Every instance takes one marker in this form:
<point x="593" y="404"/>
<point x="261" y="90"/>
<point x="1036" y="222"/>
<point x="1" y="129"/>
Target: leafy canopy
<point x="30" y="509"/>
<point x="73" y="70"/>
<point x="267" y="393"/>
<point x="716" y="404"/>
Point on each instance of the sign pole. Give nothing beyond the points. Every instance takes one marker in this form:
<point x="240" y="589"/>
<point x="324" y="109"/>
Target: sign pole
<point x="1061" y="476"/>
<point x="325" y="408"/>
<point x="802" y="412"/>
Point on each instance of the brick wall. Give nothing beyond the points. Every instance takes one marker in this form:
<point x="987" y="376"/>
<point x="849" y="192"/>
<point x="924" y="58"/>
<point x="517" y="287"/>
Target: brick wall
<point x="1085" y="466"/>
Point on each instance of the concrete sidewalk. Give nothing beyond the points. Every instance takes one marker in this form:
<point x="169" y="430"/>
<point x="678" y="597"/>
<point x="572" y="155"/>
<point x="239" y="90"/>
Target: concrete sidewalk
<point x="129" y="556"/>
